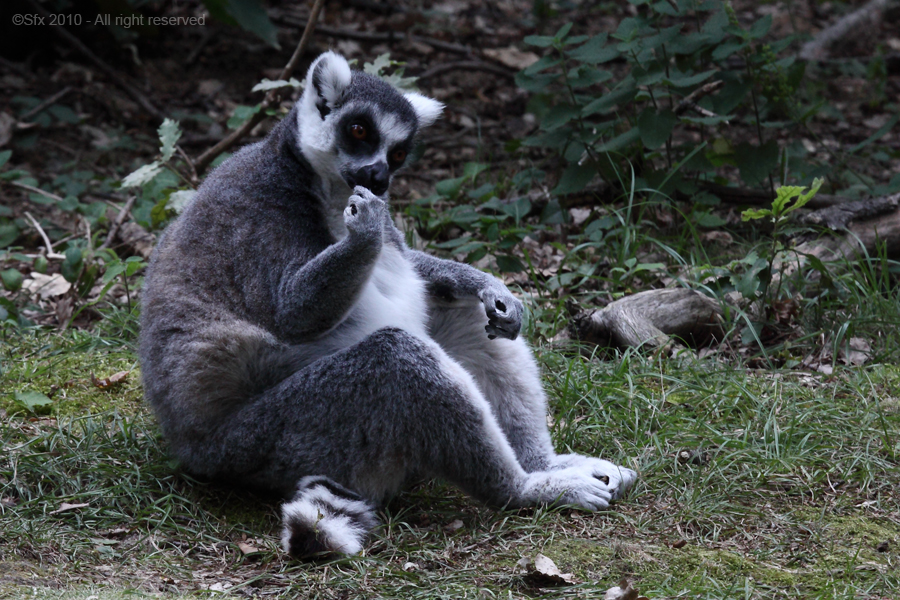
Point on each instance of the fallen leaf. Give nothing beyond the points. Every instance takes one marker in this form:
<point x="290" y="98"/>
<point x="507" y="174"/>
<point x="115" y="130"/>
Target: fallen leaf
<point x="65" y="506"/>
<point x="543" y="571"/>
<point x="46" y="286"/>
<point x="623" y="591"/>
<point x="722" y="238"/>
<point x="108" y="382"/>
<point x="859" y="352"/>
<point x="34" y="402"/>
<point x="512" y="57"/>
<point x="454" y="526"/>
<point x="579" y="215"/>
<point x="247" y="548"/>
<point x="679" y="544"/>
<point x="410" y="566"/>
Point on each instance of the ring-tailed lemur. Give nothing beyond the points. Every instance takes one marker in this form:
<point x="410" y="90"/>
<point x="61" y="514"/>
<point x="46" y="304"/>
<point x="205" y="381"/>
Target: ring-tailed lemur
<point x="292" y="341"/>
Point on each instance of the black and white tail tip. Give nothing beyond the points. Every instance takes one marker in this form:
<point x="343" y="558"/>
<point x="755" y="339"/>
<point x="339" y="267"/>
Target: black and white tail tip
<point x="325" y="518"/>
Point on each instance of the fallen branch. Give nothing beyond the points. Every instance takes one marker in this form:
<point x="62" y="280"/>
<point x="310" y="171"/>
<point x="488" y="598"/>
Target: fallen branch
<point x="745" y="196"/>
<point x="872" y="225"/>
<point x="850" y="24"/>
<point x="650" y="319"/>
<point x="837" y="217"/>
<point x="862" y="237"/>
<point x="273" y="97"/>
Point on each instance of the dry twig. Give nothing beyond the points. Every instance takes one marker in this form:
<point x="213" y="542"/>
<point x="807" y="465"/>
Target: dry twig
<point x="43" y="234"/>
<point x="690" y="101"/>
<point x="35" y="190"/>
<point x="48" y="102"/>
<point x="114" y="228"/>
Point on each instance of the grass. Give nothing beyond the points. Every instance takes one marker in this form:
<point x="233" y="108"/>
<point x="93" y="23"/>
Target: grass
<point x="780" y="484"/>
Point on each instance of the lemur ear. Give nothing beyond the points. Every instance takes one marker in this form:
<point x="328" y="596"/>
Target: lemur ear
<point x="427" y="109"/>
<point x="328" y="77"/>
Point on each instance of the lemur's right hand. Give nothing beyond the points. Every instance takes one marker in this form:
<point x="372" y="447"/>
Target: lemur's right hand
<point x="504" y="311"/>
<point x="365" y="214"/>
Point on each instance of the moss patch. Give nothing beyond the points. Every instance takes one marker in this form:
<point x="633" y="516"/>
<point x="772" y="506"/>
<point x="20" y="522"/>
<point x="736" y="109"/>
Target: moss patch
<point x="60" y="366"/>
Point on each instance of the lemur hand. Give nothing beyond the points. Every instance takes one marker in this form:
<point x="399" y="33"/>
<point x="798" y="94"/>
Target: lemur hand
<point x="504" y="312"/>
<point x="365" y="214"/>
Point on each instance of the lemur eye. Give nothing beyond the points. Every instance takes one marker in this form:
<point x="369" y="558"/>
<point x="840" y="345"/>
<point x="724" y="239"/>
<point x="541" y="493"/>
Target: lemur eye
<point x="358" y="131"/>
<point x="398" y="156"/>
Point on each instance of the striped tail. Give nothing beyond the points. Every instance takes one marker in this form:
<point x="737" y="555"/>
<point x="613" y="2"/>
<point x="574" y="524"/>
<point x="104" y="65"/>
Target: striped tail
<point x="325" y="518"/>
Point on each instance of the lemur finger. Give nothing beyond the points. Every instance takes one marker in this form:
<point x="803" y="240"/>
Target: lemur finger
<point x="495" y="332"/>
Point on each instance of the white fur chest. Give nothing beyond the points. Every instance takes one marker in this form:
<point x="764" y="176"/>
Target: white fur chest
<point x="394" y="296"/>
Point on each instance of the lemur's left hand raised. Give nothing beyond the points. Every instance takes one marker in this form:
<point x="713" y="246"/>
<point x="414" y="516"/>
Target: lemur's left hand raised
<point x="504" y="312"/>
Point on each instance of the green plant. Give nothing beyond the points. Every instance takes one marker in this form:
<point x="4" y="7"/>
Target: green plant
<point x="601" y="124"/>
<point x="788" y="198"/>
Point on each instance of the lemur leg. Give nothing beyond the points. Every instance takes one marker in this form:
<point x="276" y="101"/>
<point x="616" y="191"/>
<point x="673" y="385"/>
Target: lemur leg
<point x="508" y="375"/>
<point x="370" y="416"/>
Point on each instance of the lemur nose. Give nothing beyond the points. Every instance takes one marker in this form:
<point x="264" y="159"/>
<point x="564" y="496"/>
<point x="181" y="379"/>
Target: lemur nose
<point x="376" y="177"/>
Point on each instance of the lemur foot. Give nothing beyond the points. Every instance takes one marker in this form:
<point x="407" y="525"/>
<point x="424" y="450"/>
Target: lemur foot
<point x="574" y="486"/>
<point x="619" y="479"/>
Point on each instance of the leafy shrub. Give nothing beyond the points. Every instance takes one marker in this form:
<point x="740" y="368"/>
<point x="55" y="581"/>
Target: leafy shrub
<point x="601" y="124"/>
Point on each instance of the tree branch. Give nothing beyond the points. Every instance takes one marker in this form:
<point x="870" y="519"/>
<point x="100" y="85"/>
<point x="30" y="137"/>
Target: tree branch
<point x="853" y="23"/>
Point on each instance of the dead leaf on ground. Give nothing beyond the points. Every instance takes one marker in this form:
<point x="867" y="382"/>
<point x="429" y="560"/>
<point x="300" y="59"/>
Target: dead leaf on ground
<point x="46" y="286"/>
<point x="542" y="571"/>
<point x="108" y="382"/>
<point x="784" y="311"/>
<point x="65" y="506"/>
<point x="512" y="57"/>
<point x="454" y="526"/>
<point x="247" y="548"/>
<point x="859" y="352"/>
<point x="722" y="238"/>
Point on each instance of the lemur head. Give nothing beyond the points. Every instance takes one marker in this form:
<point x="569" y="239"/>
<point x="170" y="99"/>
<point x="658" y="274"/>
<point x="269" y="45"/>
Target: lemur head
<point x="356" y="128"/>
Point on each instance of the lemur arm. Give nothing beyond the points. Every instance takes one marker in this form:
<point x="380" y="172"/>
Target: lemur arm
<point x="317" y="295"/>
<point x="449" y="281"/>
